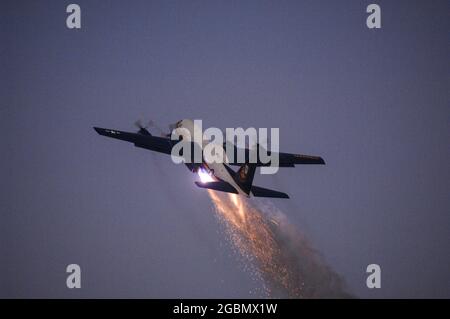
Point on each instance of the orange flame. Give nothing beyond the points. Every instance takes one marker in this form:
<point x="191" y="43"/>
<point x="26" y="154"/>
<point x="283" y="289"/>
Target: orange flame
<point x="251" y="234"/>
<point x="281" y="256"/>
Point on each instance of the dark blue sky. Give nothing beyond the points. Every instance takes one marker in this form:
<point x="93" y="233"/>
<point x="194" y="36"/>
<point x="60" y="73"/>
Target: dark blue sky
<point x="373" y="103"/>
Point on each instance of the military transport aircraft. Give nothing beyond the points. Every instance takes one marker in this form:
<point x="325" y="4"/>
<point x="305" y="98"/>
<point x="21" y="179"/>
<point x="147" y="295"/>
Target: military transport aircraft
<point x="215" y="176"/>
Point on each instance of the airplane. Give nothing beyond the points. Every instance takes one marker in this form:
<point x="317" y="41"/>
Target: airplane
<point x="214" y="176"/>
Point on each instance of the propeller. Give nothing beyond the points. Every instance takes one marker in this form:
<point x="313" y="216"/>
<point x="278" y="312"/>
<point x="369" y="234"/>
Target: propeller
<point x="150" y="123"/>
<point x="142" y="128"/>
<point x="171" y="127"/>
<point x="139" y="125"/>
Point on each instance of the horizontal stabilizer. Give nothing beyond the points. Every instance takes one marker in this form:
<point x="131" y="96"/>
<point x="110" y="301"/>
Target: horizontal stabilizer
<point x="264" y="192"/>
<point x="304" y="159"/>
<point x="218" y="186"/>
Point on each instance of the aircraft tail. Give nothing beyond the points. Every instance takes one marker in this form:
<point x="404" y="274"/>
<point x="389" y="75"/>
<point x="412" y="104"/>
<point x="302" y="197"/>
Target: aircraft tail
<point x="264" y="192"/>
<point x="245" y="175"/>
<point x="244" y="178"/>
<point x="218" y="186"/>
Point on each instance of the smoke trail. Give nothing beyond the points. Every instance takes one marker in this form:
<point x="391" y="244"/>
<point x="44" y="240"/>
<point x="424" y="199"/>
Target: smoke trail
<point x="281" y="256"/>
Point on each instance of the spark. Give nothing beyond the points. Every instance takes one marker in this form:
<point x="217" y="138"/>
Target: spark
<point x="275" y="253"/>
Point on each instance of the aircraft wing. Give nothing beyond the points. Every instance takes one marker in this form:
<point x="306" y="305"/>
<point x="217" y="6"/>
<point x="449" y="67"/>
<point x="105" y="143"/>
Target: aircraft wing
<point x="285" y="159"/>
<point x="147" y="141"/>
<point x="164" y="145"/>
